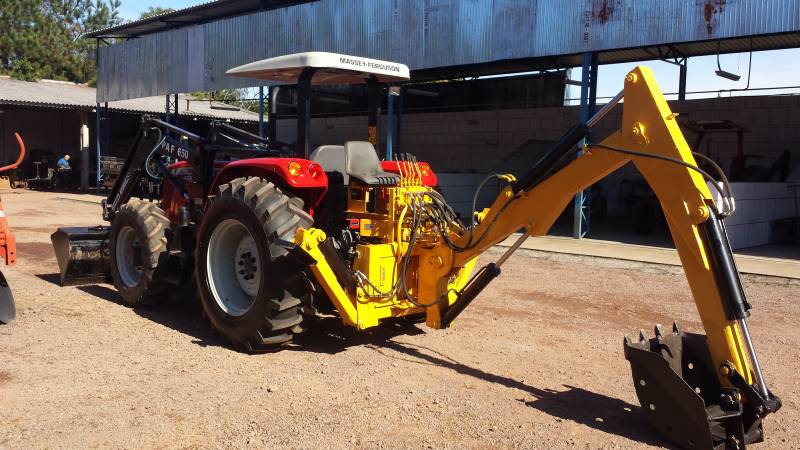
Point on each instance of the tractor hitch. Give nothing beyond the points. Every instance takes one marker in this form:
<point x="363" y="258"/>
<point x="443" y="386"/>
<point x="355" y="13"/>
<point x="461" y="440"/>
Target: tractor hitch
<point x="82" y="254"/>
<point x="681" y="396"/>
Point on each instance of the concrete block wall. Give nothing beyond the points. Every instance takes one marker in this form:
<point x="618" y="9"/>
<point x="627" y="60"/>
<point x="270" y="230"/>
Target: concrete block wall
<point x="463" y="146"/>
<point x="474" y="141"/>
<point x="757" y="206"/>
<point x="459" y="190"/>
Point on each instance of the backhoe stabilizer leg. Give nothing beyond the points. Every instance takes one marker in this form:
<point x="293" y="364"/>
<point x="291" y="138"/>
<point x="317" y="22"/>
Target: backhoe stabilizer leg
<point x="470" y="291"/>
<point x="682" y="397"/>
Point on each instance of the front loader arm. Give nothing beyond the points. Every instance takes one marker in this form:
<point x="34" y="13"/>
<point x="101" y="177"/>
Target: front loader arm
<point x="649" y="129"/>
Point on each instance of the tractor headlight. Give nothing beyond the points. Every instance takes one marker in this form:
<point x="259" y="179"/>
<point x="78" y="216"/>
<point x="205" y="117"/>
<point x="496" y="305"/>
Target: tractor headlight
<point x="424" y="169"/>
<point x="295" y="169"/>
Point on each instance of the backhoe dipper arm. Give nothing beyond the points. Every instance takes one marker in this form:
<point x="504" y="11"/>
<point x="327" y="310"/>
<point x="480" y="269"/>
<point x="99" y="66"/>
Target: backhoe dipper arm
<point x="650" y="128"/>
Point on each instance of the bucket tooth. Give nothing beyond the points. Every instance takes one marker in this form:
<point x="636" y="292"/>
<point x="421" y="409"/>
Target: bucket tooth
<point x="659" y="330"/>
<point x="675" y="328"/>
<point x="642" y="337"/>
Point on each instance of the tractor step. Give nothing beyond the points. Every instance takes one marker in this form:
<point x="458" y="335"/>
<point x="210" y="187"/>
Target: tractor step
<point x="82" y="254"/>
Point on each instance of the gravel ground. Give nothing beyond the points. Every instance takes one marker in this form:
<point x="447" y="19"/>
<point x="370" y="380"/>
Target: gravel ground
<point x="535" y="362"/>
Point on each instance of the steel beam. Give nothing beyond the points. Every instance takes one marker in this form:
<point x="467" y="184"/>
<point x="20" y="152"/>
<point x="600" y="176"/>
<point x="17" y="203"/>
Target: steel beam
<point x="580" y="221"/>
<point x="682" y="80"/>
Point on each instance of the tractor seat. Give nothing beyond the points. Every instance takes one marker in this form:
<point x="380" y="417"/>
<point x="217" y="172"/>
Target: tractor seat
<point x="354" y="159"/>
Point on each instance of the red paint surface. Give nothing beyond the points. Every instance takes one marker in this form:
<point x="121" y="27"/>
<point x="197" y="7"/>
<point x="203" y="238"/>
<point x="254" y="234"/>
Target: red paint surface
<point x="428" y="179"/>
<point x="310" y="185"/>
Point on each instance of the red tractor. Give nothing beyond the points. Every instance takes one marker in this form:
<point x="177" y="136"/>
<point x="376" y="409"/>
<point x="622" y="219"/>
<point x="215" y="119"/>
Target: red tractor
<point x="230" y="194"/>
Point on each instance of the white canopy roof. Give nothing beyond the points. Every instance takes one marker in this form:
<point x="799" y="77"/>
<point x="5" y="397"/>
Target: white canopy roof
<point x="333" y="69"/>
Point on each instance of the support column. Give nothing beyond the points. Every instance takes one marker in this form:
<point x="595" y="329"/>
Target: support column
<point x="398" y="140"/>
<point x="84" y="151"/>
<point x="393" y="92"/>
<point x="682" y="80"/>
<point x="580" y="222"/>
<point x="373" y="110"/>
<point x="304" y="112"/>
<point x="171" y="111"/>
<point x="97" y="130"/>
<point x="272" y="123"/>
<point x="261" y="111"/>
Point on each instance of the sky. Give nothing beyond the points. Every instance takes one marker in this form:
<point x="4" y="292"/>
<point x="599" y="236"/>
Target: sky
<point x="769" y="69"/>
<point x="131" y="9"/>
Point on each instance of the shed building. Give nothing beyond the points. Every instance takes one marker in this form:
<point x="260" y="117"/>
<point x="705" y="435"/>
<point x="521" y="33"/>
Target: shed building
<point x="454" y="39"/>
<point x="49" y="115"/>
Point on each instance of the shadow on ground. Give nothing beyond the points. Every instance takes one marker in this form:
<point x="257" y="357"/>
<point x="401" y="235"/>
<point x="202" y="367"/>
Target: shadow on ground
<point x="328" y="335"/>
<point x="54" y="278"/>
<point x="180" y="313"/>
<point x="598" y="411"/>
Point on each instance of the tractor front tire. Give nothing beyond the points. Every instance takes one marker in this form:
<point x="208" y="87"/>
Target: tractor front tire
<point x="251" y="288"/>
<point x="137" y="245"/>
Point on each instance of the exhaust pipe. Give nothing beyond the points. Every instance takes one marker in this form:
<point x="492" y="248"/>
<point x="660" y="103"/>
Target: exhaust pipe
<point x="82" y="254"/>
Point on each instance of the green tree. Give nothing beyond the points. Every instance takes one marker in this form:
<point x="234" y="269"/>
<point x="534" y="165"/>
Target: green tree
<point x="47" y="34"/>
<point x="22" y="69"/>
<point x="235" y="97"/>
<point x="154" y="11"/>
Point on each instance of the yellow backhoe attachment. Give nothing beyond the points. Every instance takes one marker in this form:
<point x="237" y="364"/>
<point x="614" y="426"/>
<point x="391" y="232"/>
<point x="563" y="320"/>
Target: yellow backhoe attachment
<point x="701" y="391"/>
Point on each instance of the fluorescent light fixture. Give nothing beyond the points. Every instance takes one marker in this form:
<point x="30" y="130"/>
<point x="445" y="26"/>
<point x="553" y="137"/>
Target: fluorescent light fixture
<point x="422" y="93"/>
<point x="730" y="76"/>
<point x="326" y="99"/>
<point x="724" y="73"/>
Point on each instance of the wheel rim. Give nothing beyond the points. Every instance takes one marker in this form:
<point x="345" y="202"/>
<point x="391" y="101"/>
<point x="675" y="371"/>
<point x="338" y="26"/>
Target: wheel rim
<point x="129" y="256"/>
<point x="233" y="267"/>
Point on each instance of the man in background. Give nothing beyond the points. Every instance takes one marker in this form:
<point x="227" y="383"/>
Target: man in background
<point x="63" y="163"/>
<point x="63" y="172"/>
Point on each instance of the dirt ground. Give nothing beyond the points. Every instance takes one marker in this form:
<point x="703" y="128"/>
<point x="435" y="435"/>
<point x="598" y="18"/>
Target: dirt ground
<point x="535" y="362"/>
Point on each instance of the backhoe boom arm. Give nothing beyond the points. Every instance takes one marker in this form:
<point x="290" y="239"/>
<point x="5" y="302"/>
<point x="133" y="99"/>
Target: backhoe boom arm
<point x="651" y="139"/>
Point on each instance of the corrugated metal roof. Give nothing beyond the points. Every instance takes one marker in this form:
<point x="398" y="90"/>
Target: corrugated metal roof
<point x="438" y="38"/>
<point x="61" y="94"/>
<point x="203" y="12"/>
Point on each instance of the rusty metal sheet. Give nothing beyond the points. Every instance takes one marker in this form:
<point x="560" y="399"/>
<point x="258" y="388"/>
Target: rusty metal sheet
<point x="433" y="34"/>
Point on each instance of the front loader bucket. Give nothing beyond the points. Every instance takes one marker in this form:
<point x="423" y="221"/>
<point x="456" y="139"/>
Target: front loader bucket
<point x="8" y="312"/>
<point x="82" y="254"/>
<point x="681" y="395"/>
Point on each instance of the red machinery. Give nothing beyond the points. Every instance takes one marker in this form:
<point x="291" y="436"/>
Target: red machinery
<point x="8" y="247"/>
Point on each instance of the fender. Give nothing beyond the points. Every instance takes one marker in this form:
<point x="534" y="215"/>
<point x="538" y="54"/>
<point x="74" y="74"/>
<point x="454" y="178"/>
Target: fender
<point x="306" y="179"/>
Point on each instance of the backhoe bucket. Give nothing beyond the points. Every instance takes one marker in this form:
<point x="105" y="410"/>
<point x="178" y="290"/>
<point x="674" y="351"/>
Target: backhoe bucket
<point x="8" y="312"/>
<point x="82" y="254"/>
<point x="681" y="395"/>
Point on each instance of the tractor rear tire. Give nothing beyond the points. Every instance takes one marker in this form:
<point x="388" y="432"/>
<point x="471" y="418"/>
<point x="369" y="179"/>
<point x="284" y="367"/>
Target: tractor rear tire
<point x="251" y="288"/>
<point x="138" y="243"/>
